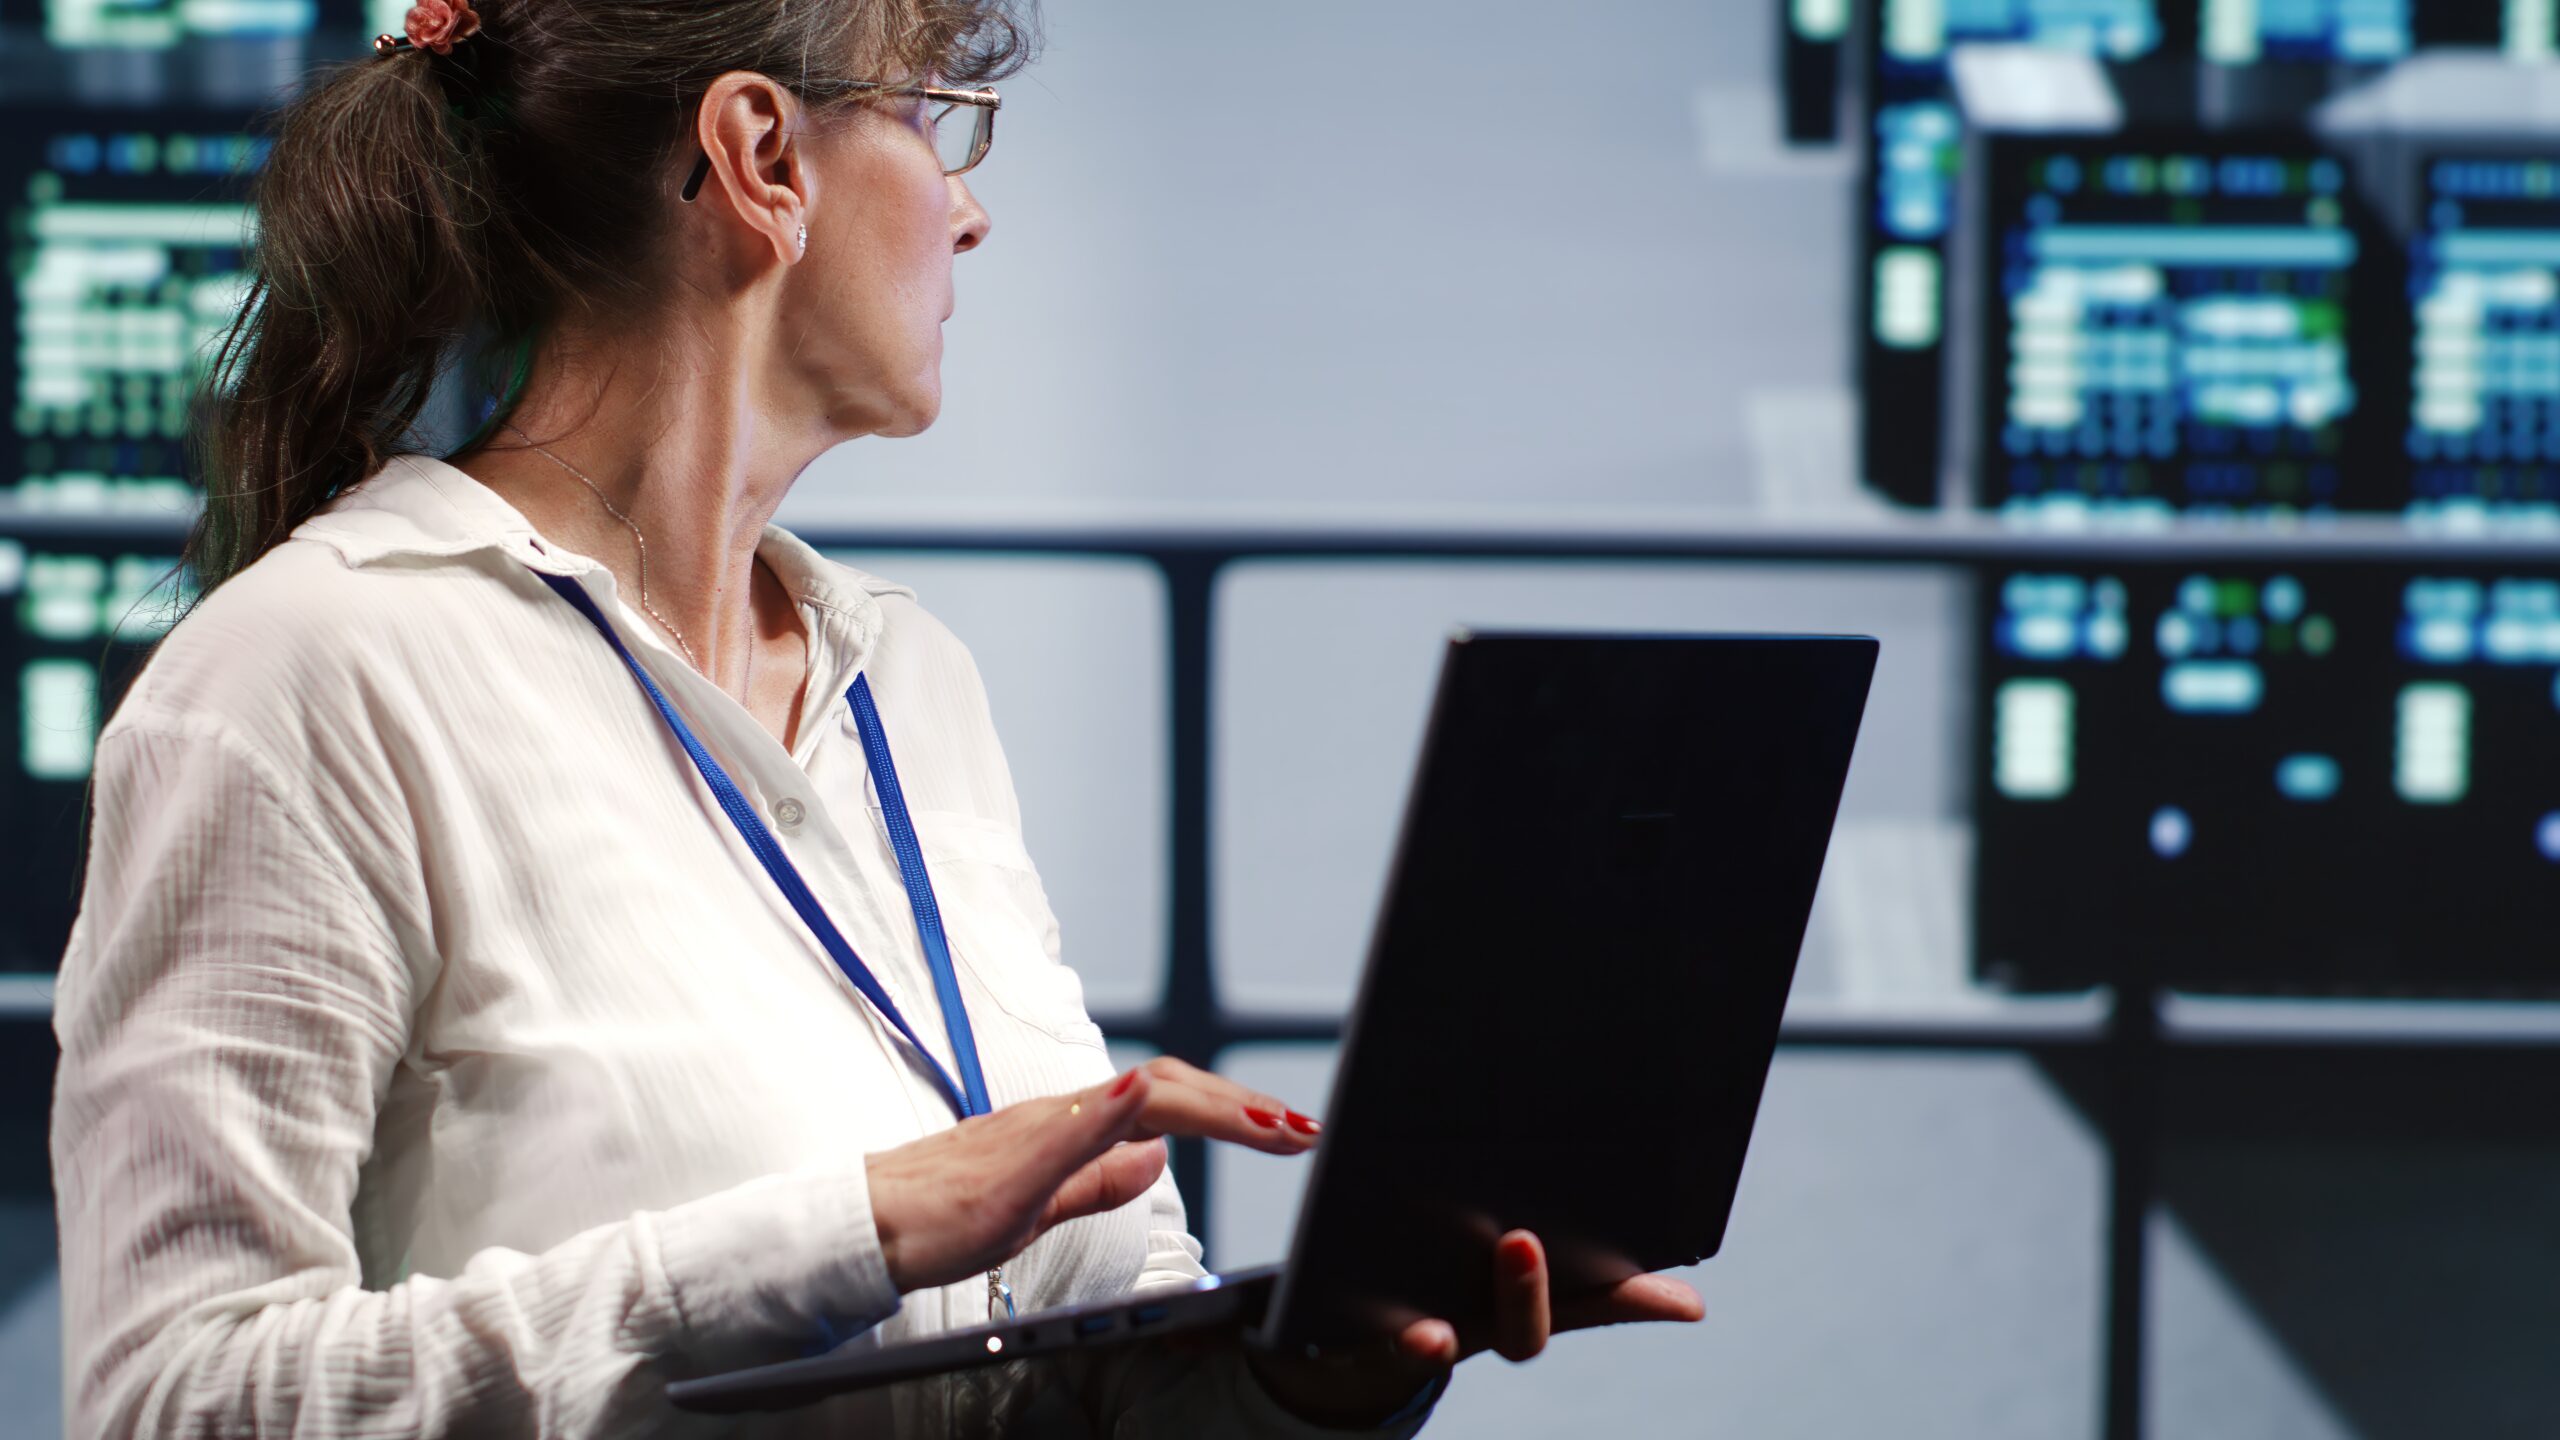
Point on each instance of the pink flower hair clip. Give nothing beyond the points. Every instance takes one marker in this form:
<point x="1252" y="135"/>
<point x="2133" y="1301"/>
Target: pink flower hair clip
<point x="432" y="25"/>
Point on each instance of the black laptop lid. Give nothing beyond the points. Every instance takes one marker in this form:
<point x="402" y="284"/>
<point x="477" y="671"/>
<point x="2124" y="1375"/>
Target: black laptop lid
<point x="1574" y="990"/>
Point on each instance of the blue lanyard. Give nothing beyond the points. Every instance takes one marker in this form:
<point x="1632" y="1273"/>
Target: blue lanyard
<point x="970" y="1096"/>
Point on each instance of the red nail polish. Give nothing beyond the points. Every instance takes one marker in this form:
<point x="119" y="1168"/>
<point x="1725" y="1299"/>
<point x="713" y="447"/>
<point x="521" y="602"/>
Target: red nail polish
<point x="1263" y="1118"/>
<point x="1303" y="1124"/>
<point x="1121" y="1086"/>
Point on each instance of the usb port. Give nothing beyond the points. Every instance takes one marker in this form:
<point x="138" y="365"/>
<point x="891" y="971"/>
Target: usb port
<point x="1150" y="1315"/>
<point x="1092" y="1324"/>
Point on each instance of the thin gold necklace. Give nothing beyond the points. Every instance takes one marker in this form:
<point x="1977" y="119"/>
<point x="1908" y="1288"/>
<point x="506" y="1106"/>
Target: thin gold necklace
<point x="747" y="685"/>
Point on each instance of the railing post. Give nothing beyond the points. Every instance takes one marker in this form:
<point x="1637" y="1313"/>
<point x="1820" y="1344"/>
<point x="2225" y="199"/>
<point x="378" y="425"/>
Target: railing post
<point x="2130" y="1093"/>
<point x="1190" y="1021"/>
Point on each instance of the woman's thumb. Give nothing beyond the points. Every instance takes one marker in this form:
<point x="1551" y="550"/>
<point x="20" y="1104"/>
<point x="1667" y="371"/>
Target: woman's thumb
<point x="1093" y="1121"/>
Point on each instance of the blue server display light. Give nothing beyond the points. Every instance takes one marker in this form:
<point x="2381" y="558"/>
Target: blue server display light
<point x="2323" y="775"/>
<point x="2344" y="32"/>
<point x="2176" y="330"/>
<point x="1920" y="32"/>
<point x="2484" y="287"/>
<point x="126" y="248"/>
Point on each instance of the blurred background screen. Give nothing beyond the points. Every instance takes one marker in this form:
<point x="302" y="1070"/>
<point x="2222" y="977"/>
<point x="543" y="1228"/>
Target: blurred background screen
<point x="127" y="237"/>
<point x="2178" y="327"/>
<point x="2166" y="772"/>
<point x="159" y="25"/>
<point x="2173" y="386"/>
<point x="2484" y="358"/>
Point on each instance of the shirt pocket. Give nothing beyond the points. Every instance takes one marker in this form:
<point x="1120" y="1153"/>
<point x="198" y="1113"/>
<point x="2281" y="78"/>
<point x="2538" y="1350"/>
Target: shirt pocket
<point x="996" y="915"/>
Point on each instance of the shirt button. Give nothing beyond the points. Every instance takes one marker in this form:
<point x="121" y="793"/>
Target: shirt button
<point x="788" y="814"/>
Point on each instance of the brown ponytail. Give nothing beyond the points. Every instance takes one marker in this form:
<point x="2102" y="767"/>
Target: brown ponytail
<point x="421" y="210"/>
<point x="372" y="211"/>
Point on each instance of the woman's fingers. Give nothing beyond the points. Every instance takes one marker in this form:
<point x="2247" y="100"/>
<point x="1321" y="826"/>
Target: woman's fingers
<point x="1182" y="1072"/>
<point x="1069" y="1132"/>
<point x="1521" y="1322"/>
<point x="1527" y="1313"/>
<point x="1429" y="1345"/>
<point x="1267" y="1109"/>
<point x="959" y="1200"/>
<point x="1191" y="1101"/>
<point x="1176" y="1109"/>
<point x="1372" y="1380"/>
<point x="1113" y="1179"/>
<point x="1643" y="1298"/>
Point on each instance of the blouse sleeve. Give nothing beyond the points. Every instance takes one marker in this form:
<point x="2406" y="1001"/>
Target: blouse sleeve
<point x="232" y="1008"/>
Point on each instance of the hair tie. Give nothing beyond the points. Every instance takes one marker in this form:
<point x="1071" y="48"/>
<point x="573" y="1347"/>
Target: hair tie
<point x="432" y="25"/>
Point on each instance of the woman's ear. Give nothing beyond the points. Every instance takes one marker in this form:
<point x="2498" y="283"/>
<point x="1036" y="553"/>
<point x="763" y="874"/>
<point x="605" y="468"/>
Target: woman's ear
<point x="749" y="131"/>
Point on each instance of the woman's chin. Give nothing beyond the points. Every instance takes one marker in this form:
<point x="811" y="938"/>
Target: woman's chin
<point x="900" y="416"/>
<point x="917" y="418"/>
<point x="925" y="405"/>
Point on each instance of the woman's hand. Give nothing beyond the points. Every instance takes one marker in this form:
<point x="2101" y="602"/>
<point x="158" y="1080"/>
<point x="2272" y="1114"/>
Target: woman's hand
<point x="965" y="1200"/>
<point x="1364" y="1389"/>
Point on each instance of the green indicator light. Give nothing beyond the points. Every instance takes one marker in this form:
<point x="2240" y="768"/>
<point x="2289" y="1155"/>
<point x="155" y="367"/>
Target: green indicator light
<point x="58" y="703"/>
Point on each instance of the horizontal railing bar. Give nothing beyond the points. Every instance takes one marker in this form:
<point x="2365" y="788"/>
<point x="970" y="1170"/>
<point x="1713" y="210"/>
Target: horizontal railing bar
<point x="1954" y="538"/>
<point x="2215" y="1022"/>
<point x="28" y="999"/>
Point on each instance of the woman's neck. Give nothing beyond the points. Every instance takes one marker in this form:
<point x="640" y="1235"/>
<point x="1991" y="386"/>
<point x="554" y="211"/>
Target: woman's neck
<point x="684" y="451"/>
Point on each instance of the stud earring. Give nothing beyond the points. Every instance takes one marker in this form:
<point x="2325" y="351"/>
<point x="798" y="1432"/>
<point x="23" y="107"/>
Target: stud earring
<point x="804" y="239"/>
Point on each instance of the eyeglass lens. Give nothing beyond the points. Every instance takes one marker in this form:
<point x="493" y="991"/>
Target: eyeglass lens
<point x="960" y="135"/>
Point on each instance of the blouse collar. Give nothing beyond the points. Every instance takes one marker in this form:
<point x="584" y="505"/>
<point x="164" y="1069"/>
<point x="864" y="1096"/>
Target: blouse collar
<point x="419" y="506"/>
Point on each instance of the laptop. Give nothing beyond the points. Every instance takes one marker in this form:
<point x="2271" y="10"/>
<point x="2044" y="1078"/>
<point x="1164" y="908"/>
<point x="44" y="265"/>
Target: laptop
<point x="1572" y="996"/>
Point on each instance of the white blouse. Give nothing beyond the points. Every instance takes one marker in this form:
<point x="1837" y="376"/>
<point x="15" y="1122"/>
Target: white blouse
<point x="436" y="1059"/>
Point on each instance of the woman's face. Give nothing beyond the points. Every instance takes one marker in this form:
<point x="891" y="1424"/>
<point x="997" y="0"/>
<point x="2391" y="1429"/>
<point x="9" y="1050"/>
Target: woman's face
<point x="861" y="316"/>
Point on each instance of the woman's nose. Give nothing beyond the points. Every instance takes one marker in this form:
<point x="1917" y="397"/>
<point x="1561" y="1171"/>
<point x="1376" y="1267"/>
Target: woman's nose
<point x="969" y="222"/>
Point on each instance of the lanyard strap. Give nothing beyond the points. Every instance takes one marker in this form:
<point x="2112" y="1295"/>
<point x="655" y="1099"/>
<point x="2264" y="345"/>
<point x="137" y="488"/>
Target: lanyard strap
<point x="902" y="838"/>
<point x="966" y="1098"/>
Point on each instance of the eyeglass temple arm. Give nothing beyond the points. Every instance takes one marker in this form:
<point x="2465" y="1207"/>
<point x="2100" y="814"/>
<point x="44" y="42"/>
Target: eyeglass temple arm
<point x="986" y="99"/>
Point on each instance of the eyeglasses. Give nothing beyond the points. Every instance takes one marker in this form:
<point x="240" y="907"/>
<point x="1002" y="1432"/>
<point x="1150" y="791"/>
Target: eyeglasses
<point x="963" y="121"/>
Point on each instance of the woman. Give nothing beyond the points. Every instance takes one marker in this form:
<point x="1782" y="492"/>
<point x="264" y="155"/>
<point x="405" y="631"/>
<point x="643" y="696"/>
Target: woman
<point x="444" y="1052"/>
